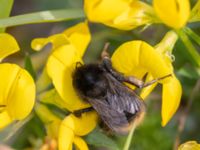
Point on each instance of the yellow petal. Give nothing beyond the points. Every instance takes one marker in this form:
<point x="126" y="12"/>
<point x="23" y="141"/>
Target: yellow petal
<point x="56" y="40"/>
<point x="153" y="62"/>
<point x="79" y="36"/>
<point x="60" y="67"/>
<point x="80" y="143"/>
<point x="104" y="10"/>
<point x="51" y="121"/>
<point x="66" y="137"/>
<point x="8" y="45"/>
<point x="5" y="119"/>
<point x="126" y="57"/>
<point x="171" y="96"/>
<point x="137" y="57"/>
<point x="173" y="13"/>
<point x="190" y="145"/>
<point x="81" y="125"/>
<point x="147" y="90"/>
<point x="138" y="14"/>
<point x="17" y="90"/>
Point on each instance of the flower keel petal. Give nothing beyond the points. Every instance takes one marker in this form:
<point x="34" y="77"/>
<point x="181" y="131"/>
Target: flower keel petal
<point x="171" y="97"/>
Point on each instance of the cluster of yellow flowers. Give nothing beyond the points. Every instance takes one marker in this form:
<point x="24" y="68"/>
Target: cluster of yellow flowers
<point x="17" y="89"/>
<point x="129" y="14"/>
<point x="131" y="58"/>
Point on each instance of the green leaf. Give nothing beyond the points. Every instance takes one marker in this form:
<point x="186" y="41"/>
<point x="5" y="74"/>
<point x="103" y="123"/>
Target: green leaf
<point x="59" y="112"/>
<point x="42" y="17"/>
<point x="98" y="139"/>
<point x="29" y="66"/>
<point x="52" y="97"/>
<point x="194" y="55"/>
<point x="43" y="82"/>
<point x="189" y="71"/>
<point x="192" y="34"/>
<point x="5" y="9"/>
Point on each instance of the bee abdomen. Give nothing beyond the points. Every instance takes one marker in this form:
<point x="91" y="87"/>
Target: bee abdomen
<point x="133" y="122"/>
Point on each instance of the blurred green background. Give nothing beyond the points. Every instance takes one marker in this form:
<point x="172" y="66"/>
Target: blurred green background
<point x="150" y="135"/>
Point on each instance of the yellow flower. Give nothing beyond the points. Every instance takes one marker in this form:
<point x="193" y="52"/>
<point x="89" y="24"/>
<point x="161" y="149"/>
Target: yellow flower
<point x="129" y="14"/>
<point x="68" y="49"/>
<point x="17" y="88"/>
<point x="121" y="14"/>
<point x="73" y="127"/>
<point x="136" y="58"/>
<point x="190" y="145"/>
<point x="8" y="45"/>
<point x="69" y="130"/>
<point x="174" y="13"/>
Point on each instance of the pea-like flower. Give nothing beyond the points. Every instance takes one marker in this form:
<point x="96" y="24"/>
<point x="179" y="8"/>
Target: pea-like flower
<point x="17" y="88"/>
<point x="68" y="49"/>
<point x="137" y="58"/>
<point x="129" y="14"/>
<point x="174" y="13"/>
<point x="134" y="58"/>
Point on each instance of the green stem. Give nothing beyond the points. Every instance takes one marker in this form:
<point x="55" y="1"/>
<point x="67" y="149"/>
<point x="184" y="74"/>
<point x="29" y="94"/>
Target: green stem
<point x="5" y="9"/>
<point x="192" y="34"/>
<point x="167" y="43"/>
<point x="129" y="138"/>
<point x="42" y="17"/>
<point x="195" y="13"/>
<point x="190" y="48"/>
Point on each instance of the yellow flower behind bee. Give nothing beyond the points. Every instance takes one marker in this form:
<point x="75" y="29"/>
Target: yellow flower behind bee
<point x="136" y="58"/>
<point x="17" y="88"/>
<point x="68" y="49"/>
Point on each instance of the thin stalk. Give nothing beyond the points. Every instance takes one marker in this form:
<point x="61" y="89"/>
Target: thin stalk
<point x="42" y="17"/>
<point x="192" y="34"/>
<point x="190" y="48"/>
<point x="129" y="138"/>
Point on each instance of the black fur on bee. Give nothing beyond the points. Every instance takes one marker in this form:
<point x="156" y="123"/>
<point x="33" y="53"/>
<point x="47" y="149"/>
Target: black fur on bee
<point x="103" y="87"/>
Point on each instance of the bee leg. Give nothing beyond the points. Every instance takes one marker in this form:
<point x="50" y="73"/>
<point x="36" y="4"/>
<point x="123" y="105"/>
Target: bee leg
<point x="155" y="80"/>
<point x="141" y="84"/>
<point x="78" y="113"/>
<point x="104" y="53"/>
<point x="129" y="79"/>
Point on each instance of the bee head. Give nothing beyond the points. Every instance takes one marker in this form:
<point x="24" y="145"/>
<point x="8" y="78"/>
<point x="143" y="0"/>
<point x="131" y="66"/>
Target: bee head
<point x="89" y="81"/>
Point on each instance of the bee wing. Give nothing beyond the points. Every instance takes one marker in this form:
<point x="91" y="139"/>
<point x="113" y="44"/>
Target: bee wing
<point x="122" y="97"/>
<point x="111" y="117"/>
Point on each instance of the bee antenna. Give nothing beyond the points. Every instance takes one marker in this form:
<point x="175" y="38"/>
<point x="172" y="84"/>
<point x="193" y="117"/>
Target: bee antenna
<point x="104" y="52"/>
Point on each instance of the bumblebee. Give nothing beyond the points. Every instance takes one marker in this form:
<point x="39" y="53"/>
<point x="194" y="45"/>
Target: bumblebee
<point x="119" y="107"/>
